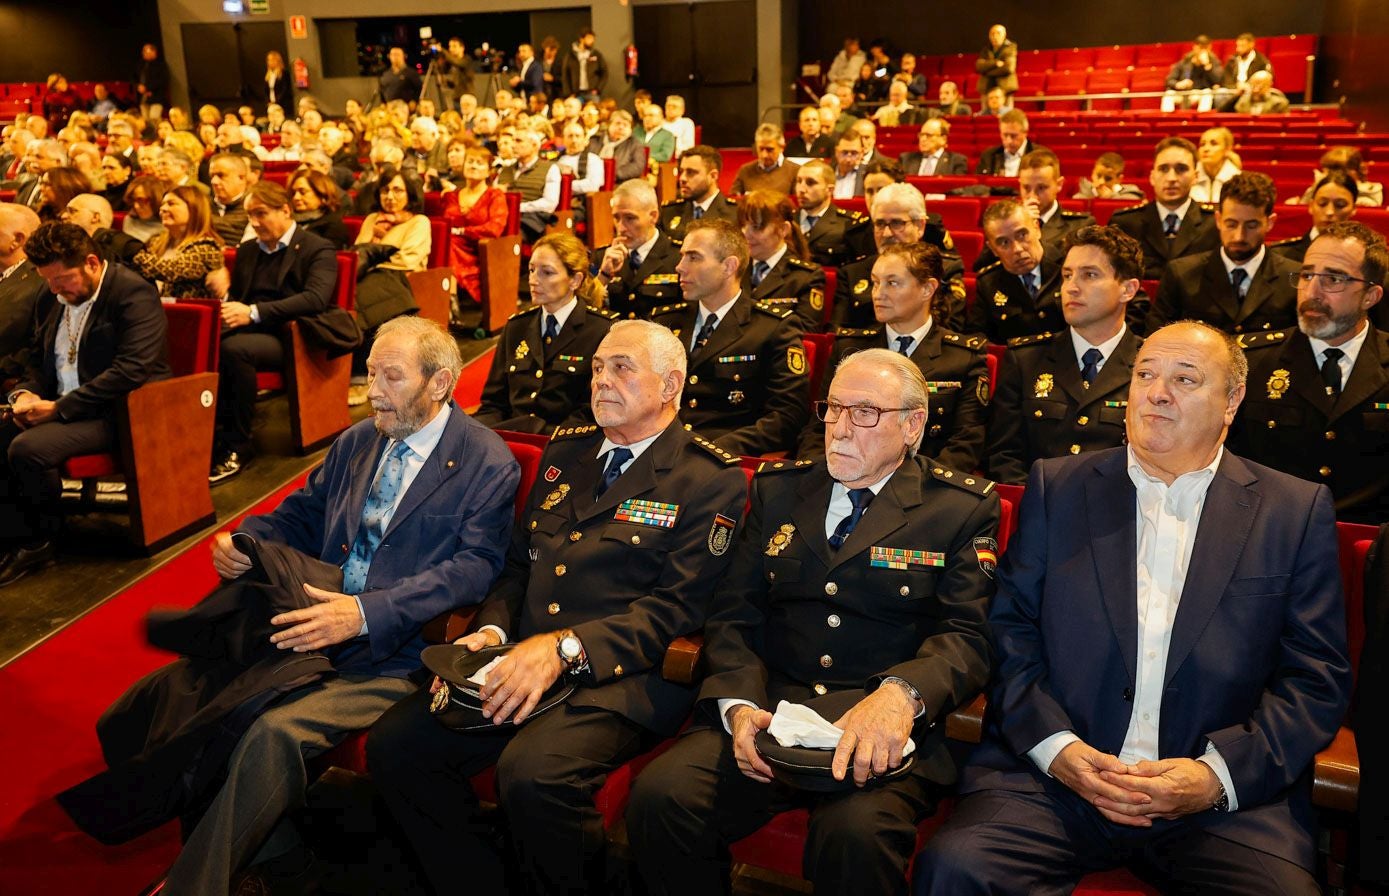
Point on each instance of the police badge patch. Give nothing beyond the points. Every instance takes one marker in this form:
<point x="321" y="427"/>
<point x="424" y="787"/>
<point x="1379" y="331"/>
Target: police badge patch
<point x="986" y="549"/>
<point x="795" y="359"/>
<point x="721" y="534"/>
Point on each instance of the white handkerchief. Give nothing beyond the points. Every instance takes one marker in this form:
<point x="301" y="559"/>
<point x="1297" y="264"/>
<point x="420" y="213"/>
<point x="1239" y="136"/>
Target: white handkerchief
<point x="796" y="725"/>
<point x="479" y="677"/>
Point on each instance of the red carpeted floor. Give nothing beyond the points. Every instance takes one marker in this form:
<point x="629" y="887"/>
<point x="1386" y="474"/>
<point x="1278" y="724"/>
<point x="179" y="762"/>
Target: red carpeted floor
<point x="50" y="699"/>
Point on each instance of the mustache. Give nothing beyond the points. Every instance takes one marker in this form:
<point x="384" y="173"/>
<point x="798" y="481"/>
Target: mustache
<point x="1314" y="307"/>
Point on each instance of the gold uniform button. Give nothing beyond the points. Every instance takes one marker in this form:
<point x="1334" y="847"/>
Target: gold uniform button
<point x="1075" y="449"/>
<point x="694" y="380"/>
<point x="636" y="539"/>
<point x="561" y="569"/>
<point x="1330" y="436"/>
<point x="617" y="670"/>
<point x="534" y="394"/>
<point x="821" y="690"/>
<point x="1037" y="414"/>
<point x="833" y="621"/>
<point x="512" y="369"/>
<point x="826" y="661"/>
<point x="553" y="609"/>
<point x="1325" y="471"/>
<point x="539" y="374"/>
<point x="533" y="525"/>
<point x="737" y="377"/>
<point x="1083" y="420"/>
<point x="831" y="589"/>
<point x="904" y="591"/>
<point x="694" y="402"/>
<point x="575" y="536"/>
<point x="1272" y="424"/>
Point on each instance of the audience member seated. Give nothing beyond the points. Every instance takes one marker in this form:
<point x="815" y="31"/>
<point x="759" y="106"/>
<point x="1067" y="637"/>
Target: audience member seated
<point x="907" y="282"/>
<point x="1244" y="63"/>
<point x="618" y="144"/>
<point x="834" y="236"/>
<point x="475" y="211"/>
<point x="104" y="337"/>
<point x="1260" y="97"/>
<point x="678" y="124"/>
<point x="543" y="364"/>
<point x="40" y="157"/>
<point x="771" y="170"/>
<point x="899" y="109"/>
<point x="1106" y="181"/>
<point x="893" y="667"/>
<point x="933" y="157"/>
<point x="1192" y="80"/>
<point x="1217" y="162"/>
<point x="1005" y="160"/>
<point x="867" y="133"/>
<point x="230" y="141"/>
<point x="1093" y="764"/>
<point x="812" y="142"/>
<point x="848" y="172"/>
<point x="658" y="139"/>
<point x="1352" y="161"/>
<point x="57" y="186"/>
<point x="879" y="174"/>
<point x="847" y="63"/>
<point x="838" y="111"/>
<point x="748" y="384"/>
<point x="1040" y="186"/>
<point x="230" y="178"/>
<point x="117" y="172"/>
<point x="908" y="75"/>
<point x="1174" y="224"/>
<point x="21" y="287"/>
<point x="948" y="102"/>
<point x="1063" y="393"/>
<point x="59" y="101"/>
<point x="1019" y="294"/>
<point x="995" y="103"/>
<point x="93" y="214"/>
<point x="584" y="166"/>
<point x="869" y="87"/>
<point x="538" y="182"/>
<point x="637" y="271"/>
<point x="1333" y="201"/>
<point x="698" y="185"/>
<point x="315" y="197"/>
<point x="179" y="259"/>
<point x="428" y="154"/>
<point x="1240" y="287"/>
<point x="12" y="155"/>
<point x="265" y="292"/>
<point x="142" y="200"/>
<point x="779" y="273"/>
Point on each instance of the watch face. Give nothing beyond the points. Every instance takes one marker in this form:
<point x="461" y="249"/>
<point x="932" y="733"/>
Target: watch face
<point x="570" y="648"/>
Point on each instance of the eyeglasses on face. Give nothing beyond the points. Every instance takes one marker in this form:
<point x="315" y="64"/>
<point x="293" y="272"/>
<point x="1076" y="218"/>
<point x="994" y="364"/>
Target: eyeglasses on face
<point x="1331" y="282"/>
<point x="864" y="416"/>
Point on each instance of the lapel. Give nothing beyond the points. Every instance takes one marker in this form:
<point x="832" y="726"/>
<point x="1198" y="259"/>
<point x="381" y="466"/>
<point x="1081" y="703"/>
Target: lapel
<point x="822" y="226"/>
<point x="929" y="349"/>
<point x="568" y="334"/>
<point x="1117" y="369"/>
<point x="443" y="462"/>
<point x="884" y="516"/>
<point x="773" y="281"/>
<point x="808" y="513"/>
<point x="1111" y="516"/>
<point x="1261" y="285"/>
<point x="1226" y="519"/>
<point x="1304" y="373"/>
<point x="640" y="477"/>
<point x="1065" y="368"/>
<point x="1215" y="283"/>
<point x="1186" y="233"/>
<point x="652" y="261"/>
<point x="727" y="332"/>
<point x="1367" y="377"/>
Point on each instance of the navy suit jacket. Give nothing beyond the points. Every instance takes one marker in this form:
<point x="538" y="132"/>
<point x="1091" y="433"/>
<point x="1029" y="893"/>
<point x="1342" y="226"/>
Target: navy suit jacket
<point x="445" y="544"/>
<point x="1257" y="662"/>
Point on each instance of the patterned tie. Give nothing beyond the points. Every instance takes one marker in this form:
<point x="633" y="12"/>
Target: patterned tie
<point x="616" y="458"/>
<point x="904" y="344"/>
<point x="379" y="503"/>
<point x="760" y="269"/>
<point x="1238" y="277"/>
<point x="698" y="212"/>
<point x="551" y="328"/>
<point x="1171" y="226"/>
<point x="635" y="260"/>
<point x="1331" y="370"/>
<point x="860" y="497"/>
<point x="1029" y="281"/>
<point x="706" y="331"/>
<point x="1090" y="365"/>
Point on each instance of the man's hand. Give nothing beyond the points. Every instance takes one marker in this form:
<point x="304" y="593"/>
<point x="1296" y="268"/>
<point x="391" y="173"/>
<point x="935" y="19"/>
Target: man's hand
<point x="1081" y="767"/>
<point x="1034" y="208"/>
<point x="745" y="721"/>
<point x="334" y="619"/>
<point x="226" y="559"/>
<point x="1176" y="787"/>
<point x="218" y="282"/>
<point x="236" y="314"/>
<point x="474" y="642"/>
<point x="516" y="684"/>
<point x="613" y="260"/>
<point x="1185" y="84"/>
<point x="30" y="410"/>
<point x="875" y="732"/>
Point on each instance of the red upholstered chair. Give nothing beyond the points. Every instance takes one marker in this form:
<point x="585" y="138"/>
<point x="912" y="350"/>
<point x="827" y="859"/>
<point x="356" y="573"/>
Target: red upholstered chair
<point x="1103" y="208"/>
<point x="831" y="283"/>
<point x="817" y="359"/>
<point x="942" y="184"/>
<point x="164" y="438"/>
<point x="969" y="243"/>
<point x="499" y="269"/>
<point x="564" y="214"/>
<point x="957" y="212"/>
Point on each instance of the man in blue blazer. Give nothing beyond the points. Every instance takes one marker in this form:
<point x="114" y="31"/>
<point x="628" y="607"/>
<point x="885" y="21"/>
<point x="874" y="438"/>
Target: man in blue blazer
<point x="417" y="506"/>
<point x="1171" y="642"/>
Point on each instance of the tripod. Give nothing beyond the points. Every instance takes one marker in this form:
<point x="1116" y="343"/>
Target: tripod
<point x="432" y="79"/>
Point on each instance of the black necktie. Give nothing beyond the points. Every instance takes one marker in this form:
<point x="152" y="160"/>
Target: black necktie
<point x="551" y="328"/>
<point x="760" y="269"/>
<point x="904" y="344"/>
<point x="616" y="458"/>
<point x="706" y="331"/>
<point x="1331" y="370"/>
<point x="1029" y="282"/>
<point x="810" y="221"/>
<point x="635" y="259"/>
<point x="1091" y="365"/>
<point x="698" y="212"/>
<point x="1237" y="278"/>
<point x="860" y="498"/>
<point x="1171" y="228"/>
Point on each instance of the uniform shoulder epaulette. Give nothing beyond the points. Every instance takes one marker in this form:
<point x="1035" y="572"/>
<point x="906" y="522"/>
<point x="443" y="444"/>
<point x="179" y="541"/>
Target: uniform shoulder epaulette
<point x="970" y="482"/>
<point x="1068" y="213"/>
<point x="782" y="466"/>
<point x="1131" y="209"/>
<point x="605" y="313"/>
<point x="1287" y="241"/>
<point x="726" y="201"/>
<point x="856" y="216"/>
<point x="1264" y="340"/>
<point x="989" y="267"/>
<point x="529" y="309"/>
<point x="1031" y="339"/>
<point x="798" y="263"/>
<point x="721" y="455"/>
<point x="667" y="309"/>
<point x="674" y="203"/>
<point x="573" y="432"/>
<point x="1207" y="207"/>
<point x="776" y="311"/>
<point x="973" y="343"/>
<point x="857" y="333"/>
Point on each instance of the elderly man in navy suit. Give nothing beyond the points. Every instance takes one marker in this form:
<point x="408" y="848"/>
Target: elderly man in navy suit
<point x="1170" y="633"/>
<point x="416" y="505"/>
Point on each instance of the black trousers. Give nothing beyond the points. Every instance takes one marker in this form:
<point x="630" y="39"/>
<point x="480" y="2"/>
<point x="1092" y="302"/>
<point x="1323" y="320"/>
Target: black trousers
<point x="244" y="351"/>
<point x="547" y="774"/>
<point x="999" y="841"/>
<point x="688" y="805"/>
<point x="32" y="482"/>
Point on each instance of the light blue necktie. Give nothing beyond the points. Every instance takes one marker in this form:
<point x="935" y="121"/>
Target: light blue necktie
<point x="374" y="515"/>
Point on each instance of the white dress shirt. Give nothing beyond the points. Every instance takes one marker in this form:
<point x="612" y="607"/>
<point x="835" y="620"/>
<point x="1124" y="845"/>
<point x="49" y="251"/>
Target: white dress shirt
<point x="721" y="311"/>
<point x="1106" y="348"/>
<point x="1251" y="267"/>
<point x="1351" y="349"/>
<point x="77" y="317"/>
<point x="592" y="180"/>
<point x="917" y="336"/>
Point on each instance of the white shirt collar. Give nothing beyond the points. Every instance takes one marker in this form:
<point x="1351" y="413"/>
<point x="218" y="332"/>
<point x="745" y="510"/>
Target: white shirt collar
<point x="918" y="336"/>
<point x="1251" y="267"/>
<point x="424" y="440"/>
<point x="775" y="257"/>
<point x="1047" y="215"/>
<point x="1180" y="210"/>
<point x="561" y="315"/>
<point x="1351" y="347"/>
<point x="704" y="206"/>
<point x="1081" y="344"/>
<point x="1187" y="491"/>
<point x="636" y="448"/>
<point x="721" y="311"/>
<point x="644" y="250"/>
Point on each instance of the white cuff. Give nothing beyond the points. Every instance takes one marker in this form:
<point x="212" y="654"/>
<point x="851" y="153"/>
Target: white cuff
<point x="492" y="628"/>
<point x="1045" y="753"/>
<point x="728" y="703"/>
<point x="255" y="314"/>
<point x="1213" y="758"/>
<point x="363" y="610"/>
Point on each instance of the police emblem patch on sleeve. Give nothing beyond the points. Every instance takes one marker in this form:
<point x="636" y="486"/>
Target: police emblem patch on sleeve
<point x="721" y="534"/>
<point x="795" y="359"/>
<point x="986" y="549"/>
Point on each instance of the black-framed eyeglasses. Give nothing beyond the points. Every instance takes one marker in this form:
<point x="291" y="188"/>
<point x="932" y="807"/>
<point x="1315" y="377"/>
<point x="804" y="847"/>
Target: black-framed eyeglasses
<point x="1331" y="282"/>
<point x="864" y="416"/>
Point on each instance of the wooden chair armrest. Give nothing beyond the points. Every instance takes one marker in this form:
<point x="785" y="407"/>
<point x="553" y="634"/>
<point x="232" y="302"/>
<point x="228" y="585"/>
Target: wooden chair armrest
<point x="1336" y="777"/>
<point x="966" y="724"/>
<point x="563" y="222"/>
<point x="432" y="289"/>
<point x="684" y="658"/>
<point x="449" y="627"/>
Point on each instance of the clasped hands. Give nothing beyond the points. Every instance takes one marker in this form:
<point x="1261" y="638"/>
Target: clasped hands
<point x="30" y="410"/>
<point x="1134" y="795"/>
<point x="516" y="684"/>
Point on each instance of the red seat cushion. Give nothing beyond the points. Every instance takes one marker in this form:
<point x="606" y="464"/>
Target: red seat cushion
<point x="270" y="379"/>
<point x="91" y="466"/>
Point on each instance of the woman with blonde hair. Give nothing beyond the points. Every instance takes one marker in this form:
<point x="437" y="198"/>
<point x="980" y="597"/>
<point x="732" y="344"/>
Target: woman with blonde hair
<point x="1216" y="163"/>
<point x="187" y="143"/>
<point x="179" y="258"/>
<point x="779" y="273"/>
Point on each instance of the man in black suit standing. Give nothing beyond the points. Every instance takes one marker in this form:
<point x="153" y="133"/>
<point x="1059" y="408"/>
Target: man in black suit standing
<point x="933" y="158"/>
<point x="286" y="272"/>
<point x="1174" y="225"/>
<point x="20" y="290"/>
<point x="1005" y="160"/>
<point x="103" y="337"/>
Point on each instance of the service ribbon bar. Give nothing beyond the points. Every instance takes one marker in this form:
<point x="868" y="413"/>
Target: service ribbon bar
<point x="901" y="558"/>
<point x="647" y="513"/>
<point x="736" y="359"/>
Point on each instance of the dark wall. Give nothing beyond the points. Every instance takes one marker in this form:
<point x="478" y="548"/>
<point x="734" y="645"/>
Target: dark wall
<point x="1355" y="45"/>
<point x="87" y="40"/>
<point x="953" y="27"/>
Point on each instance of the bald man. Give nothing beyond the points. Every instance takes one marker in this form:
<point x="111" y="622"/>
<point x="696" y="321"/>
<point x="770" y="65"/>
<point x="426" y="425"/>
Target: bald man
<point x="93" y="214"/>
<point x="20" y="288"/>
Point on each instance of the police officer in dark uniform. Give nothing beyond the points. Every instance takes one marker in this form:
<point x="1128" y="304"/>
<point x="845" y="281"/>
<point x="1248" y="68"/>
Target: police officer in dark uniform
<point x="777" y="276"/>
<point x="698" y="182"/>
<point x="1175" y="225"/>
<point x="1317" y="404"/>
<point x="748" y="386"/>
<point x="1019" y="295"/>
<point x="638" y="269"/>
<point x="1040" y="187"/>
<point x="956" y="367"/>
<point x="866" y="577"/>
<point x="1240" y="287"/>
<point x="899" y="215"/>
<point x="541" y="367"/>
<point x="624" y="535"/>
<point x="1067" y="393"/>
<point x="834" y="236"/>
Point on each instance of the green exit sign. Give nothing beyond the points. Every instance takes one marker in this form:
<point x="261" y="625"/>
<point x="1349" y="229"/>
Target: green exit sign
<point x="260" y="7"/>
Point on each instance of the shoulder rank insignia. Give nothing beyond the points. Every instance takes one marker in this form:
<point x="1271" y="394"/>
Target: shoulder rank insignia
<point x="782" y="466"/>
<point x="572" y="432"/>
<point x="795" y="359"/>
<point x="1043" y="386"/>
<point x="780" y="540"/>
<point x="1279" y="383"/>
<point x="967" y="481"/>
<point x="524" y="311"/>
<point x="667" y="309"/>
<point x="1261" y="340"/>
<point x="726" y="458"/>
<point x="1030" y="339"/>
<point x="989" y="267"/>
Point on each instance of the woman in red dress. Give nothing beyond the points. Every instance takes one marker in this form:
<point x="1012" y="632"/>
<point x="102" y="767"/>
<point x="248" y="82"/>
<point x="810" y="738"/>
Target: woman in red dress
<point x="475" y="211"/>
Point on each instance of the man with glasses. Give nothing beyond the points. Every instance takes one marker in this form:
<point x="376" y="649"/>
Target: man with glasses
<point x="864" y="575"/>
<point x="1318" y="399"/>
